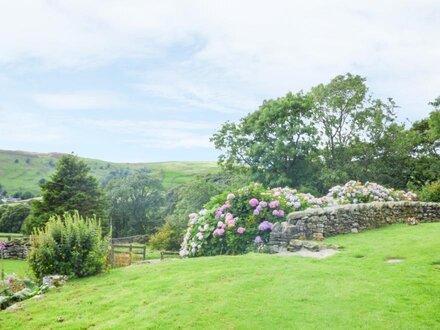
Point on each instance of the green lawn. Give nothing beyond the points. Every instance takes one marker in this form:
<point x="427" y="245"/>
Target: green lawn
<point x="19" y="267"/>
<point x="355" y="289"/>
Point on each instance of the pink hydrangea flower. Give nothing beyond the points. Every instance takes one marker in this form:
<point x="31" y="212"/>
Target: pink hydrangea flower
<point x="220" y="231"/>
<point x="220" y="224"/>
<point x="263" y="204"/>
<point x="253" y="202"/>
<point x="274" y="204"/>
<point x="256" y="212"/>
<point x="258" y="240"/>
<point x="275" y="212"/>
<point x="229" y="216"/>
<point x="230" y="196"/>
<point x="241" y="230"/>
<point x="231" y="223"/>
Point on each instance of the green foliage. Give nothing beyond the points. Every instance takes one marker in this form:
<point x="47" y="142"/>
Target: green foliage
<point x="430" y="192"/>
<point x="166" y="238"/>
<point x="14" y="289"/>
<point x="135" y="204"/>
<point x="189" y="198"/>
<point x="277" y="142"/>
<point x="12" y="217"/>
<point x="69" y="245"/>
<point x="334" y="133"/>
<point x="71" y="188"/>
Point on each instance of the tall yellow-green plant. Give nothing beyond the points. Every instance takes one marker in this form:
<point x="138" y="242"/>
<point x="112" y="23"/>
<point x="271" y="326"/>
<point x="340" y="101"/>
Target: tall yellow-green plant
<point x="69" y="245"/>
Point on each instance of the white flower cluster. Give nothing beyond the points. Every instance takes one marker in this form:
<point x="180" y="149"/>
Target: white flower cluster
<point x="191" y="244"/>
<point x="355" y="192"/>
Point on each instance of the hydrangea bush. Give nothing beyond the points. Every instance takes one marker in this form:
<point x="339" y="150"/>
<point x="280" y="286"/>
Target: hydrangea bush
<point x="234" y="223"/>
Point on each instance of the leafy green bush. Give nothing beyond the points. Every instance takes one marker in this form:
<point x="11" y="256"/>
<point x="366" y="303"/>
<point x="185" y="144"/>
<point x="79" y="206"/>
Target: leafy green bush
<point x="12" y="217"/>
<point x="167" y="238"/>
<point x="69" y="245"/>
<point x="430" y="192"/>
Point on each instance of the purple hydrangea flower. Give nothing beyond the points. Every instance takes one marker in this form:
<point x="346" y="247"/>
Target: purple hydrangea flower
<point x="256" y="212"/>
<point x="253" y="202"/>
<point x="275" y="212"/>
<point x="2" y="246"/>
<point x="265" y="225"/>
<point x="258" y="240"/>
<point x="263" y="204"/>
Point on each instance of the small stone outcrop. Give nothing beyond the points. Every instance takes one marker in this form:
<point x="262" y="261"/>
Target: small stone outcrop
<point x="318" y="223"/>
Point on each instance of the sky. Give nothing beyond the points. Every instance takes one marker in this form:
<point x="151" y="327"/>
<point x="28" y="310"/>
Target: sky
<point x="143" y="81"/>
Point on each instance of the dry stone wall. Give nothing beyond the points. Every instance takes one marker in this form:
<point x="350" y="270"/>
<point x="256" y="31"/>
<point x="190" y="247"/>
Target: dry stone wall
<point x="318" y="223"/>
<point x="16" y="249"/>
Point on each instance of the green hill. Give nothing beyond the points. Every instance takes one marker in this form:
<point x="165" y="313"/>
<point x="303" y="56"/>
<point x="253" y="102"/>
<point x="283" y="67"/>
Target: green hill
<point x="21" y="171"/>
<point x="354" y="289"/>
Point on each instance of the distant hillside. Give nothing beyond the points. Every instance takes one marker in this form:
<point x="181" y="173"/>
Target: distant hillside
<point x="21" y="171"/>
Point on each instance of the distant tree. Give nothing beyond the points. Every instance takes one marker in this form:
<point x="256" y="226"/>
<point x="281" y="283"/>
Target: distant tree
<point x="71" y="188"/>
<point x="16" y="161"/>
<point x="16" y="195"/>
<point x="27" y="195"/>
<point x="135" y="204"/>
<point x="13" y="217"/>
<point x="51" y="163"/>
<point x="41" y="181"/>
<point x="28" y="160"/>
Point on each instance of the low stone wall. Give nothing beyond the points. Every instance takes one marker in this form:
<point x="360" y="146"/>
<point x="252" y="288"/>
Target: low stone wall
<point x="16" y="249"/>
<point x="318" y="223"/>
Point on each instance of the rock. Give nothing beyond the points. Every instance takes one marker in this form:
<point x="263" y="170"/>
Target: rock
<point x="311" y="246"/>
<point x="354" y="230"/>
<point x="318" y="236"/>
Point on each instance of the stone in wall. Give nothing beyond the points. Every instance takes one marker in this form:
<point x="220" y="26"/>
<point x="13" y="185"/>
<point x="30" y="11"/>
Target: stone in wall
<point x="319" y="223"/>
<point x="16" y="249"/>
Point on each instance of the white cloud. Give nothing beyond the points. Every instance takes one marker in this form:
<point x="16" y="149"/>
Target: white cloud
<point x="158" y="134"/>
<point x="77" y="100"/>
<point x="263" y="48"/>
<point x="27" y="127"/>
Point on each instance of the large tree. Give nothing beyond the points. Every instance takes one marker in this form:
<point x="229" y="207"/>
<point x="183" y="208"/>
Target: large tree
<point x="276" y="143"/>
<point x="347" y="117"/>
<point x="136" y="200"/>
<point x="71" y="188"/>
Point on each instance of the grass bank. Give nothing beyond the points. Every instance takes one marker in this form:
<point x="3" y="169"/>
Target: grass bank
<point x="355" y="289"/>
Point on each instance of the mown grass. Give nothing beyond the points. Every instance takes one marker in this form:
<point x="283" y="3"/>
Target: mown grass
<point x="355" y="289"/>
<point x="19" y="267"/>
<point x="21" y="171"/>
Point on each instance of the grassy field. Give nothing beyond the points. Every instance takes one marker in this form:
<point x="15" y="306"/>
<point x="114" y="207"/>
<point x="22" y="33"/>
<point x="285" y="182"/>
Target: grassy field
<point x="21" y="171"/>
<point x="19" y="267"/>
<point x="355" y="289"/>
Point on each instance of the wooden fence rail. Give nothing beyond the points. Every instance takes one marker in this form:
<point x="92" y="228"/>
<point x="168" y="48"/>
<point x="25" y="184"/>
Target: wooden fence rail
<point x="129" y="249"/>
<point x="11" y="237"/>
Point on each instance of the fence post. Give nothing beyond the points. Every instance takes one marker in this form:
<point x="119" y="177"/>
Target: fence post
<point x="145" y="252"/>
<point x="112" y="253"/>
<point x="130" y="249"/>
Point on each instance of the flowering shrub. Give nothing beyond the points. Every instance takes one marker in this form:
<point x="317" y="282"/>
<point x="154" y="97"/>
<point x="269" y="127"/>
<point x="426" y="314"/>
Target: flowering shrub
<point x="355" y="192"/>
<point x="237" y="222"/>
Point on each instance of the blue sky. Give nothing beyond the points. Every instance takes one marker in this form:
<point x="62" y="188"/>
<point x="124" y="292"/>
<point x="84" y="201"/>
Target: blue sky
<point x="134" y="81"/>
